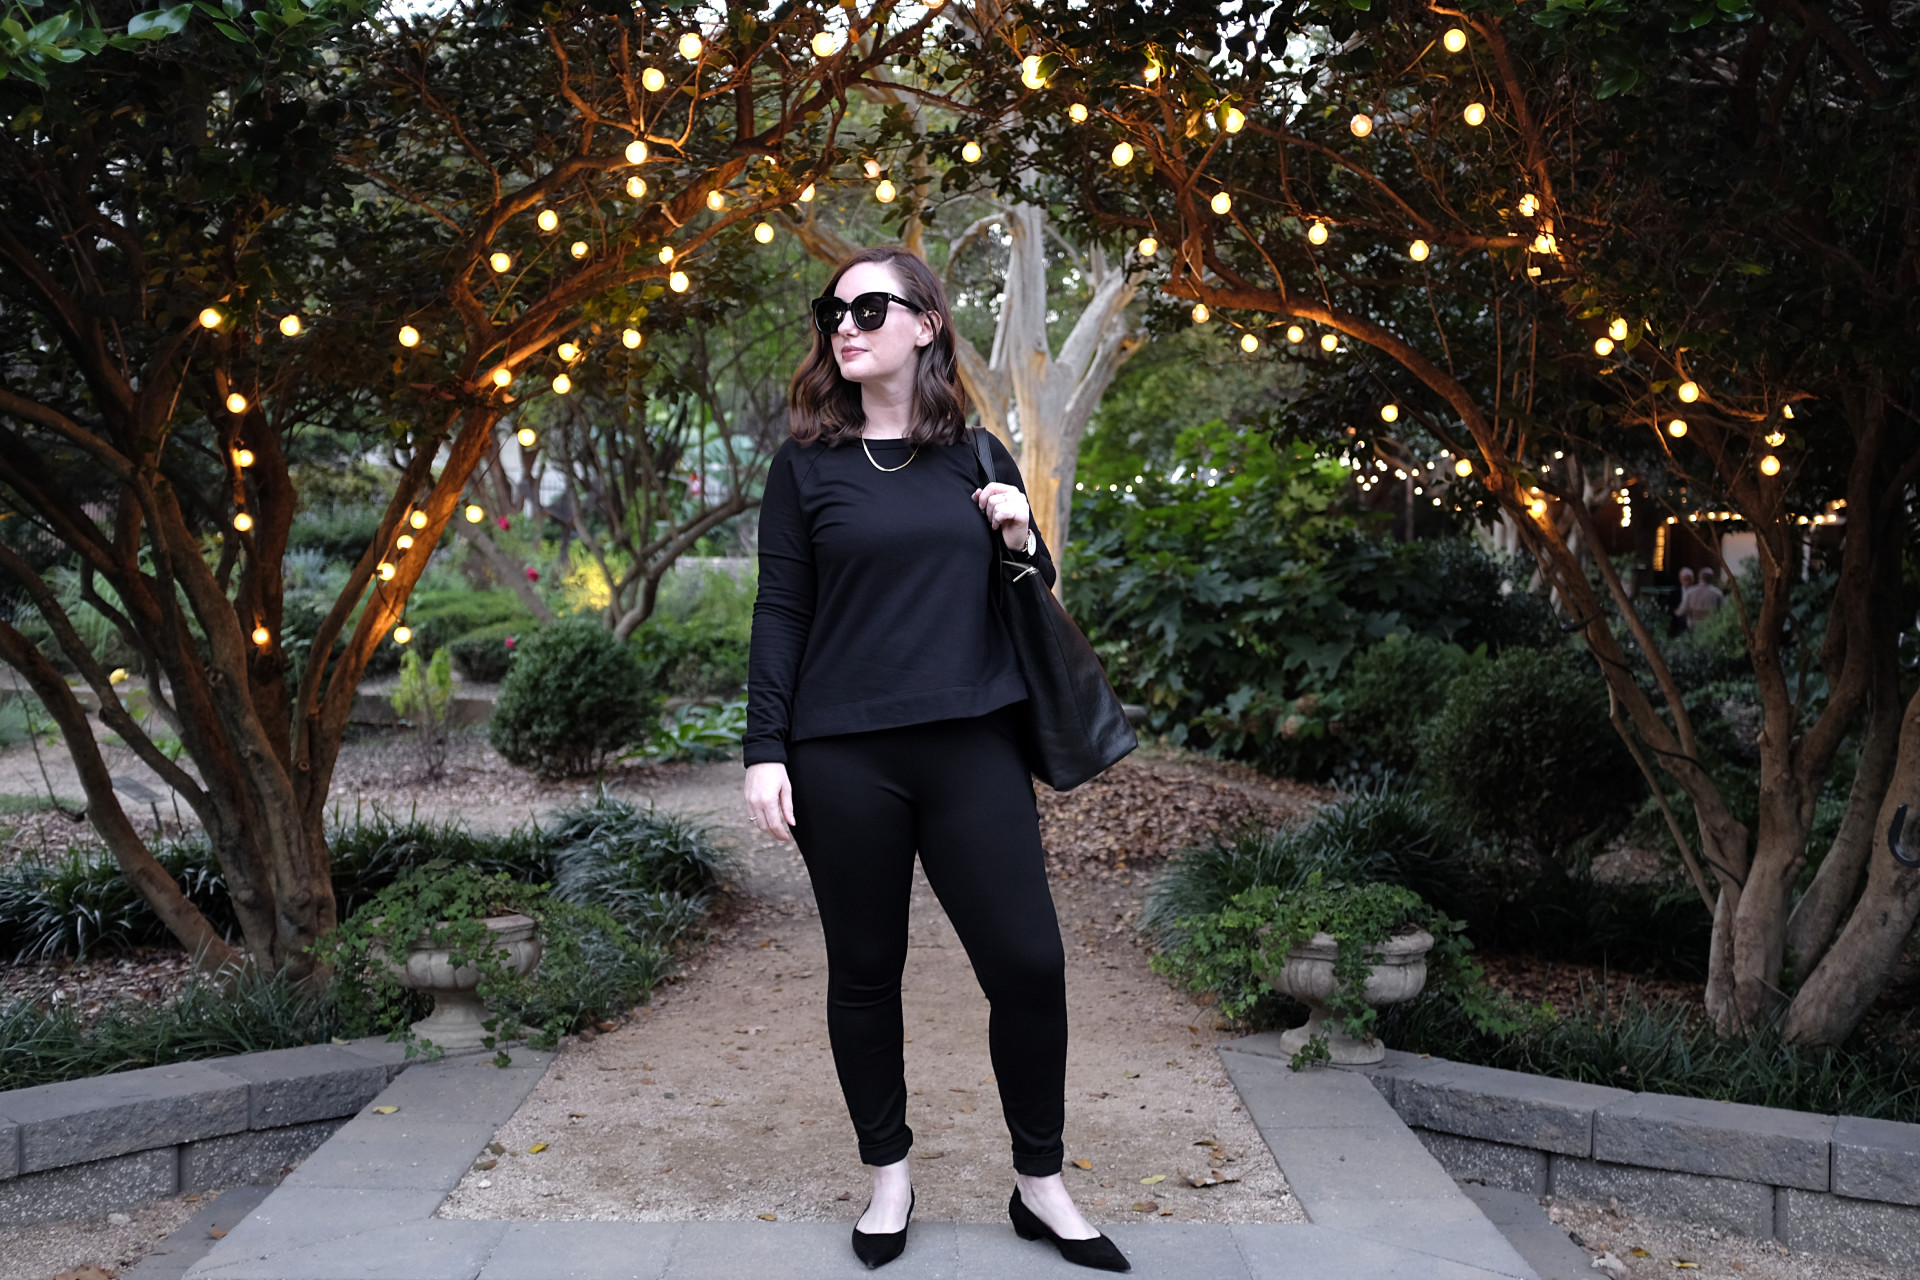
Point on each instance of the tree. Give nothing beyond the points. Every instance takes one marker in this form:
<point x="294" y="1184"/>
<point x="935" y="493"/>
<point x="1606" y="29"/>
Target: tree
<point x="1655" y="249"/>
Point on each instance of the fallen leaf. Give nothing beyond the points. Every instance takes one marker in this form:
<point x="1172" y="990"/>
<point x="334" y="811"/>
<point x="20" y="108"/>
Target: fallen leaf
<point x="717" y="1102"/>
<point x="1083" y="1164"/>
<point x="1212" y="1178"/>
<point x="384" y="1111"/>
<point x="844" y="1195"/>
<point x="1131" y="1075"/>
<point x="769" y="1217"/>
<point x="576" y="1115"/>
<point x="218" y="1233"/>
<point x="1146" y="1206"/>
<point x="338" y="1040"/>
<point x="484" y="1165"/>
<point x="1638" y="1252"/>
<point x="666" y="1168"/>
<point x="536" y="1148"/>
<point x="1158" y="1177"/>
<point x="932" y="1155"/>
<point x="496" y="1148"/>
<point x="1684" y="1265"/>
<point x="1205" y="1142"/>
<point x="966" y="1110"/>
<point x="1166" y="1213"/>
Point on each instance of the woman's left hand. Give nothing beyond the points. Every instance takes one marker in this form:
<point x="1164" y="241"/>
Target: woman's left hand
<point x="1007" y="509"/>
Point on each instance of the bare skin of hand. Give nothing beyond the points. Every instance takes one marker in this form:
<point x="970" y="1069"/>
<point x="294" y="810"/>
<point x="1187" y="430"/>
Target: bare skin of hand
<point x="1007" y="508"/>
<point x="770" y="799"/>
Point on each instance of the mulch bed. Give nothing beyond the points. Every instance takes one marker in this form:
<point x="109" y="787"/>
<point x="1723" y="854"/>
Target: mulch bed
<point x="1569" y="985"/>
<point x="151" y="976"/>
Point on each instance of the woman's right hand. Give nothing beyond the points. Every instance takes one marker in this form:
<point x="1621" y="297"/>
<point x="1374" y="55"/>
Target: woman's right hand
<point x="770" y="799"/>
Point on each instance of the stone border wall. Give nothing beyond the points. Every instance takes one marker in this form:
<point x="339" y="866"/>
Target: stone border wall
<point x="1830" y="1183"/>
<point x="119" y="1141"/>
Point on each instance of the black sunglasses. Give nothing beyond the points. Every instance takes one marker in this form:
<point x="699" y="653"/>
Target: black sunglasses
<point x="869" y="311"/>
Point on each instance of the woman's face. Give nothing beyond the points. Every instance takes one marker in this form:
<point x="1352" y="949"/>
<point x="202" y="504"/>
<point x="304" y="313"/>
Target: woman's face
<point x="880" y="354"/>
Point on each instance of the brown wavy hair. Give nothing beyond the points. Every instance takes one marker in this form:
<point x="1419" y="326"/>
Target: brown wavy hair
<point x="823" y="405"/>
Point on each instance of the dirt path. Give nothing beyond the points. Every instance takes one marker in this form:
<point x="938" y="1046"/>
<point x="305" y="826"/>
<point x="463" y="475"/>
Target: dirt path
<point x="719" y="1100"/>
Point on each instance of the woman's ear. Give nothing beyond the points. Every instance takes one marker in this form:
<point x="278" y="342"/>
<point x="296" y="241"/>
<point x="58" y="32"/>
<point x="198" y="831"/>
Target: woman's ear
<point x="929" y="326"/>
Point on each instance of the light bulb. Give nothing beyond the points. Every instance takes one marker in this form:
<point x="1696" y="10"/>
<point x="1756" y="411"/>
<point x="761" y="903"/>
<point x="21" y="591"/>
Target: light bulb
<point x="409" y="336"/>
<point x="1329" y="342"/>
<point x="384" y="572"/>
<point x="1077" y="113"/>
<point x="1677" y="428"/>
<point x="1769" y="466"/>
<point x="418" y="519"/>
<point x="1689" y="391"/>
<point x="653" y="80"/>
<point x="242" y="521"/>
<point x="1603" y="346"/>
<point x="1222" y="203"/>
<point x="1122" y="157"/>
<point x="1296" y="334"/>
<point x="210" y="319"/>
<point x="1150" y="72"/>
<point x="548" y="220"/>
<point x="1544" y="243"/>
<point x="1786" y="411"/>
<point x="1148" y="246"/>
<point x="1317" y="233"/>
<point x="636" y="186"/>
<point x="1475" y="114"/>
<point x="290" y="325"/>
<point x="1030" y="72"/>
<point x="872" y="168"/>
<point x="1235" y="120"/>
<point x="503" y="377"/>
<point x="1419" y="250"/>
<point x="636" y="151"/>
<point x="970" y="152"/>
<point x="567" y="351"/>
<point x="1200" y="313"/>
<point x="474" y="513"/>
<point x="500" y="262"/>
<point x="716" y="200"/>
<point x="1775" y="439"/>
<point x="806" y="193"/>
<point x="678" y="282"/>
<point x="823" y="44"/>
<point x="236" y="403"/>
<point x="579" y="249"/>
<point x="1455" y="40"/>
<point x="632" y="339"/>
<point x="402" y="634"/>
<point x="1389" y="413"/>
<point x="1463" y="468"/>
<point x="666" y="253"/>
<point x="1529" y="205"/>
<point x="262" y="637"/>
<point x="1617" y="330"/>
<point x="1361" y="124"/>
<point x="885" y="192"/>
<point x="690" y="46"/>
<point x="1538" y="507"/>
<point x="562" y="384"/>
<point x="404" y="541"/>
<point x="243" y="458"/>
<point x="1249" y="343"/>
<point x="526" y="436"/>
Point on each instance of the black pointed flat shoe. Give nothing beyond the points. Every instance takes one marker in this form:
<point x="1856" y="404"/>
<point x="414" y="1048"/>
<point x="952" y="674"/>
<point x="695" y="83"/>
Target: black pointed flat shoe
<point x="878" y="1248"/>
<point x="1099" y="1253"/>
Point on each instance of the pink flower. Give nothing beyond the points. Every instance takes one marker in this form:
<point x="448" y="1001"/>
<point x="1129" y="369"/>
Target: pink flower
<point x="504" y="523"/>
<point x="509" y="642"/>
<point x="533" y="575"/>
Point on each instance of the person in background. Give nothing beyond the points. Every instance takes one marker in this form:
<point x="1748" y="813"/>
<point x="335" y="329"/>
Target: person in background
<point x="1703" y="600"/>
<point x="1680" y="622"/>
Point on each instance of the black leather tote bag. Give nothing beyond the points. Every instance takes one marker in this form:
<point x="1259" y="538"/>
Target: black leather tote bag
<point x="1076" y="728"/>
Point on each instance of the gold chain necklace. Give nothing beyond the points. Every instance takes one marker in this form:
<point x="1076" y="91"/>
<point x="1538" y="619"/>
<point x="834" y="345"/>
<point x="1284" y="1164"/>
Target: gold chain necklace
<point x="877" y="466"/>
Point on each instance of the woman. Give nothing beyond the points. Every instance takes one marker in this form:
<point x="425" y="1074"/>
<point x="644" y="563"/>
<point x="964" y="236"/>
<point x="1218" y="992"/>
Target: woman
<point x="882" y="718"/>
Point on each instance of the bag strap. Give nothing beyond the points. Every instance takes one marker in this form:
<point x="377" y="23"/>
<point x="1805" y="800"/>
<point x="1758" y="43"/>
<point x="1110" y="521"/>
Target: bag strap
<point x="985" y="453"/>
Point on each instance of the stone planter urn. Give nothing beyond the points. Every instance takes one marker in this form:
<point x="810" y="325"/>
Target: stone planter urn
<point x="1399" y="972"/>
<point x="458" y="1011"/>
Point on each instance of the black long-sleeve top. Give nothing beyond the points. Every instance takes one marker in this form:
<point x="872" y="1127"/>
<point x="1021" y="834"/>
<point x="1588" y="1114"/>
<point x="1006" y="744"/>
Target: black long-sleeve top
<point x="873" y="609"/>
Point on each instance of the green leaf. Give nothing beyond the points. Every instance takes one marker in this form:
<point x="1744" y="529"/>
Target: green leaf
<point x="156" y="23"/>
<point x="232" y="33"/>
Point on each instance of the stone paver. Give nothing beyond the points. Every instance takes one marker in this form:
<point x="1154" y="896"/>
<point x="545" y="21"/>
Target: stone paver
<point x="1718" y="1139"/>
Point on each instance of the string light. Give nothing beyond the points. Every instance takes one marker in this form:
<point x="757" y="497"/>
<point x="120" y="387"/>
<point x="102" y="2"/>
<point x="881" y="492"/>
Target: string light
<point x="1544" y="244"/>
<point x="526" y="437"/>
<point x="666" y="254"/>
<point x="1389" y="413"/>
<point x="1775" y="439"/>
<point x="1077" y="113"/>
<point x="1463" y="468"/>
<point x="1122" y="157"/>
<point x="1617" y="330"/>
<point x="1361" y="125"/>
<point x="716" y="200"/>
<point x="1234" y="121"/>
<point x="1249" y="343"/>
<point x="567" y="351"/>
<point x="1329" y="342"/>
<point x="503" y="377"/>
<point x="1419" y="250"/>
<point x="210" y="319"/>
<point x="562" y="384"/>
<point x="579" y="249"/>
<point x="1689" y="391"/>
<point x="236" y="403"/>
<point x="678" y="282"/>
<point x="1769" y="466"/>
<point x="1317" y="233"/>
<point x="806" y="193"/>
<point x="824" y="44"/>
<point x="290" y="325"/>
<point x="418" y="520"/>
<point x="243" y="458"/>
<point x="1148" y="246"/>
<point x="1030" y="72"/>
<point x="404" y="541"/>
<point x="653" y="80"/>
<point x="1677" y="428"/>
<point x="1786" y="411"/>
<point x="1150" y="72"/>
<point x="1603" y="346"/>
<point x="636" y="187"/>
<point x="262" y="637"/>
<point x="1538" y="507"/>
<point x="500" y="262"/>
<point x="385" y="572"/>
<point x="1529" y="205"/>
<point x="885" y="192"/>
<point x="242" y="521"/>
<point x="1222" y="203"/>
<point x="1295" y="334"/>
<point x="548" y="220"/>
<point x="690" y="46"/>
<point x="402" y="633"/>
<point x="1475" y="114"/>
<point x="409" y="336"/>
<point x="474" y="513"/>
<point x="637" y="151"/>
<point x="632" y="339"/>
<point x="763" y="232"/>
<point x="970" y="152"/>
<point x="1455" y="40"/>
<point x="1200" y="313"/>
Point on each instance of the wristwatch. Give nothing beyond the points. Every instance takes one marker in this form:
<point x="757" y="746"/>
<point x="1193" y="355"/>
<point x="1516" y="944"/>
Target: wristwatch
<point x="1032" y="543"/>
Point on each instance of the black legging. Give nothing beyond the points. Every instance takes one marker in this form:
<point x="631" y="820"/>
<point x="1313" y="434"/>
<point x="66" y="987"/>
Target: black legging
<point x="959" y="792"/>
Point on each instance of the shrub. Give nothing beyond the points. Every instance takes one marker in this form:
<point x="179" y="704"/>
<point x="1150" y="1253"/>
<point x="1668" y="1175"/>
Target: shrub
<point x="485" y="654"/>
<point x="573" y="698"/>
<point x="695" y="644"/>
<point x="1395" y="688"/>
<point x="1523" y="750"/>
<point x="422" y="700"/>
<point x="337" y="531"/>
<point x="441" y="615"/>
